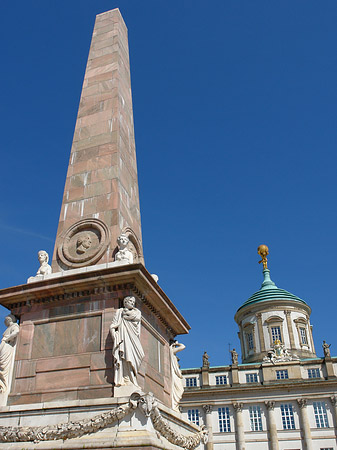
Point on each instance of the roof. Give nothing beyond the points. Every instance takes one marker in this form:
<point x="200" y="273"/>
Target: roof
<point x="269" y="291"/>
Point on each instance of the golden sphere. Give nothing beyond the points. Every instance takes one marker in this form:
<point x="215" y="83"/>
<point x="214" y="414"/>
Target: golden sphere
<point x="263" y="250"/>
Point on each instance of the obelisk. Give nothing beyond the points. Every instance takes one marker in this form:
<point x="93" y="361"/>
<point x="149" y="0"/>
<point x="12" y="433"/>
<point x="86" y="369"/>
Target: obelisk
<point x="101" y="197"/>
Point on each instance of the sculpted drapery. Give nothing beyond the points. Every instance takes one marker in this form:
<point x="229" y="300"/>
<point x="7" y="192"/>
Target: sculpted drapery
<point x="177" y="378"/>
<point x="127" y="350"/>
<point x="7" y="347"/>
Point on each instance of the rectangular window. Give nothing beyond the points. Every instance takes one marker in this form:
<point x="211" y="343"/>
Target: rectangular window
<point x="287" y="413"/>
<point x="224" y="422"/>
<point x="327" y="448"/>
<point x="321" y="415"/>
<point x="251" y="377"/>
<point x="255" y="418"/>
<point x="303" y="335"/>
<point x="276" y="333"/>
<point x="221" y="379"/>
<point x="282" y="374"/>
<point x="250" y="341"/>
<point x="193" y="416"/>
<point x="314" y="373"/>
<point x="191" y="382"/>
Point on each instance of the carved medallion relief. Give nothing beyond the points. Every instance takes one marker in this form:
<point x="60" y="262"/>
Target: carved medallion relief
<point x="84" y="243"/>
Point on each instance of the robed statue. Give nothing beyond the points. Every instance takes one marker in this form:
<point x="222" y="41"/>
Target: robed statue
<point x="127" y="350"/>
<point x="7" y="348"/>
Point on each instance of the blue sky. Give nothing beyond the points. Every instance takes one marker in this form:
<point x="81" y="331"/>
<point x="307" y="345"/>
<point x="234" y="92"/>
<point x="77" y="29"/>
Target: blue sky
<point x="235" y="124"/>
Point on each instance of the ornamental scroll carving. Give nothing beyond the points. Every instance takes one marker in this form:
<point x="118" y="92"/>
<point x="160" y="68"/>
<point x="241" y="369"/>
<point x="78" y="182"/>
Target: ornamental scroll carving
<point x="146" y="403"/>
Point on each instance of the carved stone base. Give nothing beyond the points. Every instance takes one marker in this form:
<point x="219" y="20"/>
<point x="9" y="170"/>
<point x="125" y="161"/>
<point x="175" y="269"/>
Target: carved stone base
<point x="134" y="422"/>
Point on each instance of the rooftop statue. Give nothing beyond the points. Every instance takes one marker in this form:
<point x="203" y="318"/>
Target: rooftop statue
<point x="263" y="251"/>
<point x="235" y="356"/>
<point x="326" y="349"/>
<point x="44" y="269"/>
<point x="124" y="255"/>
<point x="127" y="350"/>
<point x="205" y="360"/>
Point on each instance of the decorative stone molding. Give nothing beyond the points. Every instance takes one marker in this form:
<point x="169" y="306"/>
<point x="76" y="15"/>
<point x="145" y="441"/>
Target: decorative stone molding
<point x="279" y="354"/>
<point x="84" y="243"/>
<point x="146" y="403"/>
<point x="207" y="408"/>
<point x="302" y="402"/>
<point x="238" y="406"/>
<point x="66" y="430"/>
<point x="269" y="405"/>
<point x="333" y="399"/>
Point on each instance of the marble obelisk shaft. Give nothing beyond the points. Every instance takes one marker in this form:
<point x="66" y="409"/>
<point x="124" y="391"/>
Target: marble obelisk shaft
<point x="102" y="180"/>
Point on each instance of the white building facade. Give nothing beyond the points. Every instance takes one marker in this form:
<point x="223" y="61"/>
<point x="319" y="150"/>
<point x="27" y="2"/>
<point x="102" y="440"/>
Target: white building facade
<point x="282" y="396"/>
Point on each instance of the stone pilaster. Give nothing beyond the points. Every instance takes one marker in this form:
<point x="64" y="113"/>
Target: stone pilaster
<point x="272" y="430"/>
<point x="209" y="425"/>
<point x="290" y="329"/>
<point x="239" y="426"/>
<point x="260" y="331"/>
<point x="334" y="404"/>
<point x="305" y="426"/>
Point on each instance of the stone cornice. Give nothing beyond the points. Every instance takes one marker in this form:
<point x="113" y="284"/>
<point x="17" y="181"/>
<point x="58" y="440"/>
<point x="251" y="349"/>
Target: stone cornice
<point x="271" y="305"/>
<point x="133" y="277"/>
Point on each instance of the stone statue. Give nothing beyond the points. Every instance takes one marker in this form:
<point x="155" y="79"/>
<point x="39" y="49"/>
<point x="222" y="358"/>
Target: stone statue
<point x="177" y="378"/>
<point x="326" y="349"/>
<point x="44" y="269"/>
<point x="124" y="255"/>
<point x="235" y="356"/>
<point x="7" y="347"/>
<point x="205" y="360"/>
<point x="127" y="350"/>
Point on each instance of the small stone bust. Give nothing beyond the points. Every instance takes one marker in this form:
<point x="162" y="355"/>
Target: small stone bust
<point x="123" y="255"/>
<point x="44" y="269"/>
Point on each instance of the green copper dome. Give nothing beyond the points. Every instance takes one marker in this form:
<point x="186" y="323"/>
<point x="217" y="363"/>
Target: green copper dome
<point x="269" y="291"/>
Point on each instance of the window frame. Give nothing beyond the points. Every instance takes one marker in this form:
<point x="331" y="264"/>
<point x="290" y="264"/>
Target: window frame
<point x="188" y="380"/>
<point x="224" y="422"/>
<point x="254" y="375"/>
<point x="255" y="418"/>
<point x="287" y="416"/>
<point x="284" y="372"/>
<point x="193" y="416"/>
<point x="321" y="416"/>
<point x="217" y="377"/>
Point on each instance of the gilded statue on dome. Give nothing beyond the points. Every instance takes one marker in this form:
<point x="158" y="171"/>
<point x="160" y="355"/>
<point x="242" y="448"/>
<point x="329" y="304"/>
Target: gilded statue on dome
<point x="263" y="251"/>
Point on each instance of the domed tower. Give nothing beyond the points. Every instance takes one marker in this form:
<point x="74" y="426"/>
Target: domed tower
<point x="274" y="322"/>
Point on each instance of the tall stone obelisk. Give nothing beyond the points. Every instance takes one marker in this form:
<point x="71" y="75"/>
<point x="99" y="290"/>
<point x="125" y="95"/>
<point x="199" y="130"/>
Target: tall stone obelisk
<point x="95" y="352"/>
<point x="101" y="197"/>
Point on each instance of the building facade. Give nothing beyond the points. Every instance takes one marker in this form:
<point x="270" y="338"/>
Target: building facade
<point x="282" y="396"/>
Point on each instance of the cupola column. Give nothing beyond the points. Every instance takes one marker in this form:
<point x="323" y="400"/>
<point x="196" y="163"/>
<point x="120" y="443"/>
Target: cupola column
<point x="239" y="427"/>
<point x="272" y="430"/>
<point x="307" y="441"/>
<point x="290" y="329"/>
<point x="260" y="330"/>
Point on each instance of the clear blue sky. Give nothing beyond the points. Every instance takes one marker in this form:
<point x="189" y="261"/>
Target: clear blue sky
<point x="235" y="123"/>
